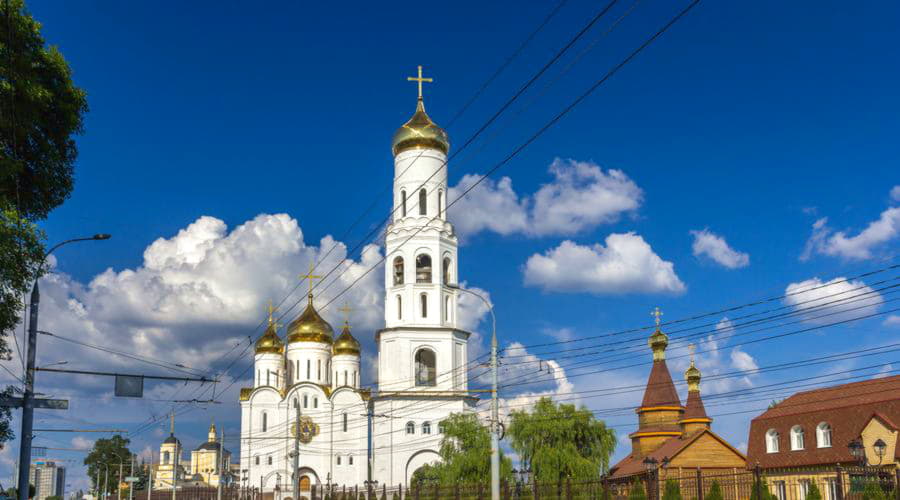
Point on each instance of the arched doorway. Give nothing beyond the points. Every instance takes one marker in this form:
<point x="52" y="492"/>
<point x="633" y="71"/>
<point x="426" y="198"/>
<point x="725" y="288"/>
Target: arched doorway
<point x="418" y="459"/>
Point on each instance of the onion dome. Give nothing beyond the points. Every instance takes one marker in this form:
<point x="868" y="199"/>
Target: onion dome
<point x="345" y="343"/>
<point x="310" y="327"/>
<point x="270" y="342"/>
<point x="692" y="375"/>
<point x="658" y="343"/>
<point x="420" y="133"/>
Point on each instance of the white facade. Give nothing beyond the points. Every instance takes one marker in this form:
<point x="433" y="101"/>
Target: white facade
<point x="422" y="358"/>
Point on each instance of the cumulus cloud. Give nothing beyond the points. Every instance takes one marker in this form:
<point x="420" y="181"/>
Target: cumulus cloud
<point x="892" y="320"/>
<point x="626" y="264"/>
<point x="715" y="357"/>
<point x="716" y="248"/>
<point x="867" y="244"/>
<point x="836" y="300"/>
<point x="581" y="196"/>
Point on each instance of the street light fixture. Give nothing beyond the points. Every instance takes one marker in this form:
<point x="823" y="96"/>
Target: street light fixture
<point x="28" y="393"/>
<point x="880" y="447"/>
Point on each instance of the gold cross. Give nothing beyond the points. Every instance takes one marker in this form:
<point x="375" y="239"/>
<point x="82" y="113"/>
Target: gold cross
<point x="271" y="310"/>
<point x="346" y="310"/>
<point x="419" y="79"/>
<point x="657" y="313"/>
<point x="310" y="276"/>
<point x="692" y="348"/>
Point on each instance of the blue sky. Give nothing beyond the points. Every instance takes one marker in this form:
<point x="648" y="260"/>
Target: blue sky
<point x="751" y="120"/>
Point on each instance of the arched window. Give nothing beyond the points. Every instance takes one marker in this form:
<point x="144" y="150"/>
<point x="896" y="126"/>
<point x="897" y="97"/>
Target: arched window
<point x="296" y="403"/>
<point x="410" y="428"/>
<point x="796" y="437"/>
<point x="166" y="457"/>
<point x="318" y="369"/>
<point x="823" y="435"/>
<point x="423" y="198"/>
<point x="398" y="270"/>
<point x="345" y="422"/>
<point x="440" y="203"/>
<point x="425" y="368"/>
<point x="403" y="203"/>
<point x="265" y="422"/>
<point x="305" y="401"/>
<point x="423" y="268"/>
<point x="339" y="460"/>
<point x="423" y="303"/>
<point x="772" y="441"/>
<point x="345" y="377"/>
<point x="446" y="271"/>
<point x="399" y="307"/>
<point x="308" y="370"/>
<point x="350" y="460"/>
<point x="426" y="427"/>
<point x="315" y="402"/>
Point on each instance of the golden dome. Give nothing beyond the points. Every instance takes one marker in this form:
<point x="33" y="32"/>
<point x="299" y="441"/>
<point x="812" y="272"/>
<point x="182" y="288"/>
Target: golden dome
<point x="345" y="343"/>
<point x="420" y="133"/>
<point x="692" y="375"/>
<point x="310" y="327"/>
<point x="269" y="342"/>
<point x="658" y="343"/>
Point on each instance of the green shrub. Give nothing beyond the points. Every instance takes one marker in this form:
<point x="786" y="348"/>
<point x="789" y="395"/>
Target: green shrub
<point x="715" y="492"/>
<point x="873" y="492"/>
<point x="672" y="491"/>
<point x="637" y="491"/>
<point x="813" y="492"/>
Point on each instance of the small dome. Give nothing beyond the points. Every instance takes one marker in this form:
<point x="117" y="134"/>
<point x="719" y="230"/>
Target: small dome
<point x="345" y="343"/>
<point x="420" y="133"/>
<point x="310" y="327"/>
<point x="692" y="375"/>
<point x="172" y="440"/>
<point x="270" y="342"/>
<point x="658" y="343"/>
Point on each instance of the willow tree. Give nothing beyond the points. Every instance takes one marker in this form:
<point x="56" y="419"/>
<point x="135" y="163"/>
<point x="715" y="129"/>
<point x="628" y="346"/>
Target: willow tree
<point x="561" y="441"/>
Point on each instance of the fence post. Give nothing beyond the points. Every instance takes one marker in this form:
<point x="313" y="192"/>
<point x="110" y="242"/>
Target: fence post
<point x="568" y="489"/>
<point x="700" y="484"/>
<point x="839" y="482"/>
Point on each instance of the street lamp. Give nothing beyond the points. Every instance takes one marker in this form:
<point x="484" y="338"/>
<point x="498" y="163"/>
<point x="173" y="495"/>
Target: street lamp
<point x="28" y="394"/>
<point x="495" y="412"/>
<point x="880" y="447"/>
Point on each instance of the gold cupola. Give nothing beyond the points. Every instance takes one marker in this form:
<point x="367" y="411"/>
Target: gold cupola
<point x="346" y="343"/>
<point x="658" y="341"/>
<point x="692" y="375"/>
<point x="420" y="132"/>
<point x="270" y="342"/>
<point x="310" y="327"/>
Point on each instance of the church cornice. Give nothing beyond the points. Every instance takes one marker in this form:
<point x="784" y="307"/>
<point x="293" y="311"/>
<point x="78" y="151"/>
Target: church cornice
<point x="444" y="395"/>
<point x="420" y="329"/>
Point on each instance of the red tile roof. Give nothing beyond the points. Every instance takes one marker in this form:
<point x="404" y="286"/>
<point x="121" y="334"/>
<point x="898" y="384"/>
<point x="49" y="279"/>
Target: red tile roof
<point x="846" y="408"/>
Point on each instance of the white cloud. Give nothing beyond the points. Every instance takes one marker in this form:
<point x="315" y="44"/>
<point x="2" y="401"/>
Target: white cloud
<point x="895" y="193"/>
<point x="892" y="320"/>
<point x="865" y="245"/>
<point x="743" y="361"/>
<point x="832" y="301"/>
<point x="627" y="264"/>
<point x="884" y="371"/>
<point x="714" y="358"/>
<point x="581" y="196"/>
<point x="716" y="248"/>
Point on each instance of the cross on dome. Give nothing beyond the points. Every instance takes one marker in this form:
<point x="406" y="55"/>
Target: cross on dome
<point x="346" y="309"/>
<point x="657" y="313"/>
<point x="419" y="80"/>
<point x="310" y="276"/>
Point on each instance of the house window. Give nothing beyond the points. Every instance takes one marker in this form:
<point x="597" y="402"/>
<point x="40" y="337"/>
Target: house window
<point x="440" y="427"/>
<point x="423" y="299"/>
<point x="423" y="198"/>
<point x="780" y="490"/>
<point x="403" y="203"/>
<point x="426" y="428"/>
<point x="425" y="368"/>
<point x="398" y="271"/>
<point x="796" y="438"/>
<point x="823" y="435"/>
<point x="345" y="422"/>
<point x="772" y="441"/>
<point x="410" y="428"/>
<point x="423" y="268"/>
<point x="296" y="403"/>
<point x="265" y="422"/>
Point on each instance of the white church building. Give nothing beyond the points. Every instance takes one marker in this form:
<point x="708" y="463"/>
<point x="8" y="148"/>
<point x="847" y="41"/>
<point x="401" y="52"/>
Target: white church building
<point x="349" y="434"/>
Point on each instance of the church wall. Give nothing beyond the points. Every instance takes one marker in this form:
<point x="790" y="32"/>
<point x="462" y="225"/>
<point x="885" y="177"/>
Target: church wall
<point x="309" y="362"/>
<point x="345" y="364"/>
<point x="397" y="369"/>
<point x="267" y="370"/>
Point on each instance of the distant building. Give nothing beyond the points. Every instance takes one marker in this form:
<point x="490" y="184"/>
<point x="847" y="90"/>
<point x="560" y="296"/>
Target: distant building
<point x="205" y="460"/>
<point x="48" y="479"/>
<point x="803" y="438"/>
<point x="201" y="470"/>
<point x="678" y="438"/>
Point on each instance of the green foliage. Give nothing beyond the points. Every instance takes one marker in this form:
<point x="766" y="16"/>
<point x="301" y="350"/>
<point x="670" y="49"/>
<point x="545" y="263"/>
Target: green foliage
<point x="760" y="485"/>
<point x="41" y="110"/>
<point x="637" y="491"/>
<point x="813" y="492"/>
<point x="14" y="492"/>
<point x="672" y="490"/>
<point x="715" y="492"/>
<point x="465" y="453"/>
<point x="560" y="441"/>
<point x="54" y="497"/>
<point x="107" y="454"/>
<point x="873" y="491"/>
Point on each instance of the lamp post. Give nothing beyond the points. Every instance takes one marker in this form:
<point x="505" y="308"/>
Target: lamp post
<point x="858" y="450"/>
<point x="28" y="394"/>
<point x="495" y="412"/>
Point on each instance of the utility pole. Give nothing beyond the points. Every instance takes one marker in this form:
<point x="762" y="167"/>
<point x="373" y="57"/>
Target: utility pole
<point x="495" y="420"/>
<point x="296" y="476"/>
<point x="220" y="465"/>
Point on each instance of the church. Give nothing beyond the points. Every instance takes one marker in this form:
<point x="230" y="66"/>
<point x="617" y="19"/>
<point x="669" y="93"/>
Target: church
<point x="348" y="434"/>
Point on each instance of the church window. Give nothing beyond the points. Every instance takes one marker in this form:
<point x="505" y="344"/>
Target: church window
<point x="823" y="435"/>
<point x="440" y="427"/>
<point x="345" y="377"/>
<point x="446" y="308"/>
<point x="410" y="428"/>
<point x="353" y="381"/>
<point x="446" y="270"/>
<point x="440" y="203"/>
<point x="345" y="421"/>
<point x="403" y="203"/>
<point x="268" y="376"/>
<point x="328" y="370"/>
<point x="339" y="460"/>
<point x="350" y="460"/>
<point x="257" y="459"/>
<point x="315" y="402"/>
<point x="318" y="369"/>
<point x="308" y="369"/>
<point x="423" y="199"/>
<point x="399" y="307"/>
<point x="425" y="368"/>
<point x="296" y="404"/>
<point x="270" y="459"/>
<point x="166" y="457"/>
<point x="398" y="270"/>
<point x="423" y="299"/>
<point x="305" y="401"/>
<point x="772" y="441"/>
<point x="265" y="422"/>
<point x="796" y="438"/>
<point x="423" y="268"/>
<point x="426" y="427"/>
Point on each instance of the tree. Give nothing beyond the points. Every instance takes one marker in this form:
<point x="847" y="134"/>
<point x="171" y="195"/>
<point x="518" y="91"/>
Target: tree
<point x="760" y="485"/>
<point x="465" y="453"/>
<point x="715" y="492"/>
<point x="637" y="491"/>
<point x="873" y="491"/>
<point x="14" y="492"/>
<point x="813" y="492"/>
<point x="106" y="455"/>
<point x="672" y="491"/>
<point x="560" y="441"/>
